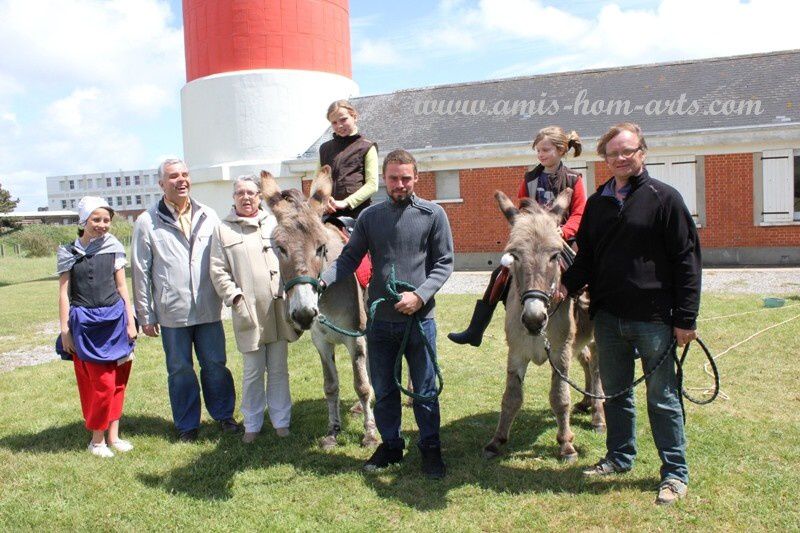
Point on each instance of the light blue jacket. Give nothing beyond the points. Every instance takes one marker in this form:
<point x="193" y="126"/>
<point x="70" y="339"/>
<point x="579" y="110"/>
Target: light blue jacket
<point x="171" y="275"/>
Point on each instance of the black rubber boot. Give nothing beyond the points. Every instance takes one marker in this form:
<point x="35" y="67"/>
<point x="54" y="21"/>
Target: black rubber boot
<point x="481" y="317"/>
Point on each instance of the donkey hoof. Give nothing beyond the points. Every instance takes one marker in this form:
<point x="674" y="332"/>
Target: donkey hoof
<point x="370" y="441"/>
<point x="599" y="428"/>
<point x="490" y="451"/>
<point x="328" y="442"/>
<point x="357" y="409"/>
<point x="569" y="458"/>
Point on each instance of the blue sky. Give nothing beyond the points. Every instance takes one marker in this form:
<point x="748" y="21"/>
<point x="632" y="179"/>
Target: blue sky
<point x="93" y="85"/>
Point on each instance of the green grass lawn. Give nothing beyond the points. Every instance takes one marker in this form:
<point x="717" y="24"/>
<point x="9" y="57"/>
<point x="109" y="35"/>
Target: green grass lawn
<point x="744" y="452"/>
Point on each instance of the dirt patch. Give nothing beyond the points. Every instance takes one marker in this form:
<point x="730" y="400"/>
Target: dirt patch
<point x="27" y="357"/>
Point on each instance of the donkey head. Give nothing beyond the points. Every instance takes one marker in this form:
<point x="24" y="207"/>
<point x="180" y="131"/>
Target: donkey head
<point x="300" y="242"/>
<point x="532" y="254"/>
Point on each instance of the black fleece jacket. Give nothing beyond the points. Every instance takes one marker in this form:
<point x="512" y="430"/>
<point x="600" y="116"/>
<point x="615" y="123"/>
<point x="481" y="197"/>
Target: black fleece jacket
<point x="642" y="260"/>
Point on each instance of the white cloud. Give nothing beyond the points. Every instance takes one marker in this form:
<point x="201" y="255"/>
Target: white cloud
<point x="376" y="53"/>
<point x="559" y="40"/>
<point x="86" y="84"/>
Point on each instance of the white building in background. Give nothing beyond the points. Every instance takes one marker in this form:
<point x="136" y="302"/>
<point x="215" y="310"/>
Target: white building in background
<point x="128" y="192"/>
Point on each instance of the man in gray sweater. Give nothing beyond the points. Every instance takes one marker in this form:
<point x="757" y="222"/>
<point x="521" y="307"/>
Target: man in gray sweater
<point x="413" y="235"/>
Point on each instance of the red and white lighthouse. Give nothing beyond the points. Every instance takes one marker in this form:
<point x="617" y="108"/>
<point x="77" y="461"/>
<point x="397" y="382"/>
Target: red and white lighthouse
<point x="259" y="77"/>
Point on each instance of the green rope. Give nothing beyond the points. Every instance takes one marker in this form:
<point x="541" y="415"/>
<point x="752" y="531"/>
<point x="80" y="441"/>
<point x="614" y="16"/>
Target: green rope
<point x="325" y="321"/>
<point x="393" y="286"/>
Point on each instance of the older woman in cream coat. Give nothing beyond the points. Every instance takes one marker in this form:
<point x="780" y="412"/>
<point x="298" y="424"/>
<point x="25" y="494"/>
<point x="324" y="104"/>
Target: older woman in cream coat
<point x="244" y="270"/>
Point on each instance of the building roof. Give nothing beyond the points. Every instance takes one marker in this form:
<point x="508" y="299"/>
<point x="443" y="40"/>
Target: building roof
<point x="766" y="82"/>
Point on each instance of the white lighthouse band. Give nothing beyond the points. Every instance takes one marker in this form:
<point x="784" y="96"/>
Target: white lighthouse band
<point x="246" y="121"/>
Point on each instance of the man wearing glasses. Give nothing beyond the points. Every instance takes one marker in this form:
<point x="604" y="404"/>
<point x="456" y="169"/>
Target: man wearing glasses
<point x="639" y="254"/>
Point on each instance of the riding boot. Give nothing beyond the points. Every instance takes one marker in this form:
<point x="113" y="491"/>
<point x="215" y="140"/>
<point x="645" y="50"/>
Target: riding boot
<point x="481" y="317"/>
<point x="484" y="309"/>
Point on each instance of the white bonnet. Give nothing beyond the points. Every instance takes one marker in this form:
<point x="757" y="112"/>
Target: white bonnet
<point x="86" y="207"/>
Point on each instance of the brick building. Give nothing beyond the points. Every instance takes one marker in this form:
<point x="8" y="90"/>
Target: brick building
<point x="724" y="132"/>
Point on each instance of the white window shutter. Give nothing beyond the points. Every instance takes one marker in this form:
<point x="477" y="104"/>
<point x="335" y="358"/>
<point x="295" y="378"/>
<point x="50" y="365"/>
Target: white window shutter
<point x="683" y="176"/>
<point x="778" y="176"/>
<point x="679" y="172"/>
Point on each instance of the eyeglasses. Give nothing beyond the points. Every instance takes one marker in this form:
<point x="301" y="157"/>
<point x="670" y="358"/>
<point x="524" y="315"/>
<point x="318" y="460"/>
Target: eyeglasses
<point x="246" y="193"/>
<point x="626" y="153"/>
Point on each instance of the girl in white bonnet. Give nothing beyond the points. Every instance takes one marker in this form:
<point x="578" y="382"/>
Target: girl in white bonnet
<point x="97" y="325"/>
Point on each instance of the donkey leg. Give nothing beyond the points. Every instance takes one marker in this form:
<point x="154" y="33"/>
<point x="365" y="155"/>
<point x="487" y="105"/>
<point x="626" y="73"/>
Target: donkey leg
<point x="331" y="387"/>
<point x="509" y="407"/>
<point x="598" y="411"/>
<point x="560" y="404"/>
<point x="358" y="356"/>
<point x="584" y="358"/>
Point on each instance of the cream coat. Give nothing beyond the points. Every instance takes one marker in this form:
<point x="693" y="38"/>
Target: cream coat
<point x="243" y="262"/>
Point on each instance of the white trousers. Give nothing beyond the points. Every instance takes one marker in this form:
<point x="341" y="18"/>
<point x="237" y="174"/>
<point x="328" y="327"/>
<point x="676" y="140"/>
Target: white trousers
<point x="272" y="359"/>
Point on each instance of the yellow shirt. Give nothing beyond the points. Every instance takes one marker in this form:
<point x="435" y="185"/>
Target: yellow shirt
<point x="183" y="218"/>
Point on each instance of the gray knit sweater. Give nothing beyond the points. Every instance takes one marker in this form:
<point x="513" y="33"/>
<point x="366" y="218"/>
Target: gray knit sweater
<point x="414" y="236"/>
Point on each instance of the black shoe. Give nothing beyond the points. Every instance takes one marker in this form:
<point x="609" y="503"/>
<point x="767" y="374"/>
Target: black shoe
<point x="473" y="335"/>
<point x="432" y="465"/>
<point x="383" y="457"/>
<point x="188" y="436"/>
<point x="229" y="425"/>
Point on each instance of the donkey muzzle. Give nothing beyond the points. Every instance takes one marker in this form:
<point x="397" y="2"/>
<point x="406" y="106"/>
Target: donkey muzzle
<point x="534" y="311"/>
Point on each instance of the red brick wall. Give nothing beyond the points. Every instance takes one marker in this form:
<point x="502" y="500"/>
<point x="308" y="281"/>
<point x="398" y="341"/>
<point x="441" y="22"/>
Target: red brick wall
<point x="729" y="207"/>
<point x="478" y="226"/>
<point x="477" y="223"/>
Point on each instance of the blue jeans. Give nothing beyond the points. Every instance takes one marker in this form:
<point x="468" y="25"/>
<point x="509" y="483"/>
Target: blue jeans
<point x="217" y="381"/>
<point x="383" y="342"/>
<point x="619" y="342"/>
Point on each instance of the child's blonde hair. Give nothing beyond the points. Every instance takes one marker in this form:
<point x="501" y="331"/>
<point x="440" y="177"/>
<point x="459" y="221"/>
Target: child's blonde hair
<point x="562" y="141"/>
<point x="341" y="104"/>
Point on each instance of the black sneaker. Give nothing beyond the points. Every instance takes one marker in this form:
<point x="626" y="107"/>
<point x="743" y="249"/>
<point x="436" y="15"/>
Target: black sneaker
<point x="432" y="465"/>
<point x="229" y="425"/>
<point x="188" y="436"/>
<point x="383" y="457"/>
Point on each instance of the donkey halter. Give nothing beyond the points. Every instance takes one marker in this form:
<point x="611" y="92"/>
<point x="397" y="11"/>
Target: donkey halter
<point x="307" y="280"/>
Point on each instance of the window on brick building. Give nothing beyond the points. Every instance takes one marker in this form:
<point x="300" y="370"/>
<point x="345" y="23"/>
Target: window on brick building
<point x="72" y="204"/>
<point x="448" y="185"/>
<point x="780" y="184"/>
<point x="138" y="199"/>
<point x="119" y="201"/>
<point x="110" y="201"/>
<point x="137" y="180"/>
<point x="681" y="172"/>
<point x="63" y="204"/>
<point x="108" y="182"/>
<point x="118" y="181"/>
<point x="71" y="185"/>
<point x="127" y="181"/>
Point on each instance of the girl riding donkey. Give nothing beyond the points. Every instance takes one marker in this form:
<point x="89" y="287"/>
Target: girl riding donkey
<point x="544" y="183"/>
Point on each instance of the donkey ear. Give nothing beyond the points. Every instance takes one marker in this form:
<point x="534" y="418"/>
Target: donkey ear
<point x="321" y="190"/>
<point x="271" y="192"/>
<point x="506" y="206"/>
<point x="561" y="205"/>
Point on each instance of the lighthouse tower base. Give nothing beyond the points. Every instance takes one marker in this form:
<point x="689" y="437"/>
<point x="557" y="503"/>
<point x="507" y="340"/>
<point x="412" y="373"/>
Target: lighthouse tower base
<point x="243" y="122"/>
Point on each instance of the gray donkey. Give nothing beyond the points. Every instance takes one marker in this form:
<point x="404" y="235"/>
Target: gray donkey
<point x="532" y="255"/>
<point x="305" y="248"/>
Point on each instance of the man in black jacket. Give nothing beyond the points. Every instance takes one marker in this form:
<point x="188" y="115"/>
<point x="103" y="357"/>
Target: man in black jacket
<point x="638" y="252"/>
